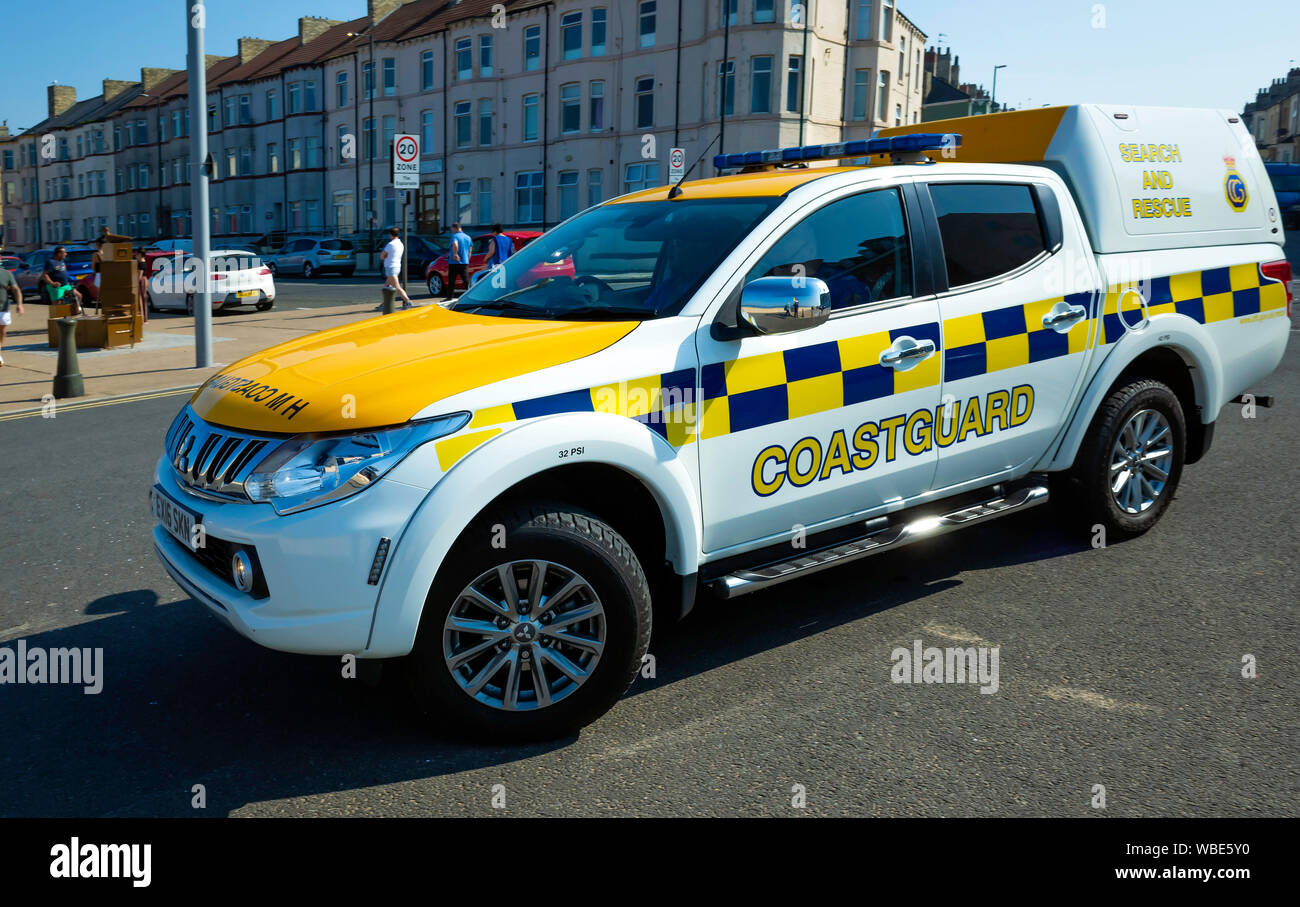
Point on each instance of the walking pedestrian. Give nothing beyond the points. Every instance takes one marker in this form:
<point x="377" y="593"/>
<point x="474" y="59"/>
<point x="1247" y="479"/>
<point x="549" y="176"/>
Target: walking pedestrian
<point x="8" y="289"/>
<point x="502" y="246"/>
<point x="392" y="258"/>
<point x="457" y="260"/>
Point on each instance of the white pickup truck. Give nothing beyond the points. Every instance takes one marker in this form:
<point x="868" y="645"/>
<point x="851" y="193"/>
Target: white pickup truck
<point x="730" y="384"/>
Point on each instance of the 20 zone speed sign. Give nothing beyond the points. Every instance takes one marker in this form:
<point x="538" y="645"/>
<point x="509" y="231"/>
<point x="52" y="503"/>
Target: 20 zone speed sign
<point x="406" y="162"/>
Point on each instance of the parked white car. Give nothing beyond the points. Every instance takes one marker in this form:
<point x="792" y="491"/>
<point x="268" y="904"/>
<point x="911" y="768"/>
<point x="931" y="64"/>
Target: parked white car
<point x="309" y="256"/>
<point x="238" y="279"/>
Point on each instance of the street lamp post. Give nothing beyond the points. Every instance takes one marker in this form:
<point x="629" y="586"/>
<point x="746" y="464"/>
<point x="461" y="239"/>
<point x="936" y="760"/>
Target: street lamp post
<point x="373" y="85"/>
<point x="195" y="14"/>
<point x="993" y="101"/>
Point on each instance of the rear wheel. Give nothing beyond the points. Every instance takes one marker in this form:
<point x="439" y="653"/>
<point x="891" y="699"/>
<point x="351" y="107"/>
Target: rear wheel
<point x="1132" y="458"/>
<point x="264" y="305"/>
<point x="435" y="284"/>
<point x="307" y="269"/>
<point x="537" y="638"/>
<point x="148" y="298"/>
<point x="189" y="303"/>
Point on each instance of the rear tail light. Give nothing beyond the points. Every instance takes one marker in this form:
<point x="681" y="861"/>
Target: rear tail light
<point x="218" y="276"/>
<point x="1280" y="270"/>
<point x="264" y="271"/>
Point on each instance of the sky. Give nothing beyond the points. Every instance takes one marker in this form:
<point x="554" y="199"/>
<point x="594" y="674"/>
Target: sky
<point x="1193" y="53"/>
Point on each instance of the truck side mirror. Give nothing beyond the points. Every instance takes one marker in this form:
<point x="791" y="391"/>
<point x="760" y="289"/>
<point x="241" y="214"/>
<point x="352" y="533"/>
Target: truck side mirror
<point x="779" y="305"/>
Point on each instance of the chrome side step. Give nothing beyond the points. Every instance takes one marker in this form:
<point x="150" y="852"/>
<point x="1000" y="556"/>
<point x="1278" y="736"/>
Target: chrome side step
<point x="742" y="582"/>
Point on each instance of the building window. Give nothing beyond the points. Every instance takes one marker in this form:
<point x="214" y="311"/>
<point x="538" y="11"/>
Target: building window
<point x="245" y="161"/>
<point x="341" y="89"/>
<point x="732" y="10"/>
<point x="797" y="11"/>
<point x="727" y="88"/>
<point x="532" y="47"/>
<point x="760" y="89"/>
<point x="462" y="120"/>
<point x="645" y="103"/>
<point x="232" y="166"/>
<point x="764" y="10"/>
<point x="571" y="107"/>
<point x="245" y="110"/>
<point x="426" y="131"/>
<point x="644" y="175"/>
<point x="863" y="32"/>
<point x="646" y="29"/>
<point x="485" y="200"/>
<point x="882" y="98"/>
<point x="272" y="160"/>
<point x="464" y="58"/>
<point x="295" y="154"/>
<point x="595" y="187"/>
<point x="368" y="138"/>
<point x="390" y="128"/>
<point x="898" y="114"/>
<point x="596" y="107"/>
<point x="529" y="194"/>
<point x="461" y="200"/>
<point x="368" y="79"/>
<point x="598" y="32"/>
<point x="886" y="20"/>
<point x="272" y="107"/>
<point x="389" y="65"/>
<point x="530" y="118"/>
<point x="794" y="84"/>
<point x="571" y="35"/>
<point x="484" y="56"/>
<point x="230" y="112"/>
<point x="568" y="187"/>
<point x="861" y="88"/>
<point x="295" y="97"/>
<point x="426" y="71"/>
<point x="313" y="151"/>
<point x="485" y="121"/>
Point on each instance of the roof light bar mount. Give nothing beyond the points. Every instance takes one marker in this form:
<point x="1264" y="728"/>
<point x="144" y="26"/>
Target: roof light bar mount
<point x="902" y="149"/>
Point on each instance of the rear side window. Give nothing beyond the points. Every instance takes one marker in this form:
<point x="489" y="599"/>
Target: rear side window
<point x="337" y="245"/>
<point x="858" y="245"/>
<point x="987" y="229"/>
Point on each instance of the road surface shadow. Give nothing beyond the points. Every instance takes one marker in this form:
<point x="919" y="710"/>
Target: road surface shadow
<point x="186" y="702"/>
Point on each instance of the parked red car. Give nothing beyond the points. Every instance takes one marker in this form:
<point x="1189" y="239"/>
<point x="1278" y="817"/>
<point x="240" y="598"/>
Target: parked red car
<point x="436" y="274"/>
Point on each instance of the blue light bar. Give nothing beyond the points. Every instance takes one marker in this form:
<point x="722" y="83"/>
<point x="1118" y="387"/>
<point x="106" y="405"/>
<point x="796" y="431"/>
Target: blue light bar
<point x="918" y="141"/>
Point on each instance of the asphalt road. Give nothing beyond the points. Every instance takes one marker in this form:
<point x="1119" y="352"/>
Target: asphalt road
<point x="325" y="291"/>
<point x="1118" y="666"/>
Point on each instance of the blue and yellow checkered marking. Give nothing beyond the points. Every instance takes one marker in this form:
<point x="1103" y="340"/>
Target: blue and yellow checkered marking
<point x="769" y="388"/>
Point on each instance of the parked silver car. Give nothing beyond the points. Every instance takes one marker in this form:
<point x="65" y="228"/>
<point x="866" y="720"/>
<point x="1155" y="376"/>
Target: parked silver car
<point x="308" y="256"/>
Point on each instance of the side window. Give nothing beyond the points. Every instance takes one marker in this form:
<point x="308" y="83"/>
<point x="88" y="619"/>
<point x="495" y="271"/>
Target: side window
<point x="858" y="245"/>
<point x="987" y="229"/>
<point x="483" y="245"/>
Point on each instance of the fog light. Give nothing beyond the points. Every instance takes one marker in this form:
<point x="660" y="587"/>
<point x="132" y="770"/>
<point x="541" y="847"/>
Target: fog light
<point x="241" y="571"/>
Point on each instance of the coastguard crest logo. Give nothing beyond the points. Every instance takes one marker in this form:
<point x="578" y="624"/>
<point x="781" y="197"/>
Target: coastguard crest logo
<point x="1234" y="186"/>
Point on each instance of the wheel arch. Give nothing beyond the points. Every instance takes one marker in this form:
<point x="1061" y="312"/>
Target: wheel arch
<point x="624" y="471"/>
<point x="1181" y="356"/>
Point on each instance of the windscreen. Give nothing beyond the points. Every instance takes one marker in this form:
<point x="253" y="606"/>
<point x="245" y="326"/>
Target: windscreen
<point x="634" y="260"/>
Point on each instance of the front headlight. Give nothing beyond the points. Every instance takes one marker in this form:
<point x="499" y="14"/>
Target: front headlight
<point x="311" y="470"/>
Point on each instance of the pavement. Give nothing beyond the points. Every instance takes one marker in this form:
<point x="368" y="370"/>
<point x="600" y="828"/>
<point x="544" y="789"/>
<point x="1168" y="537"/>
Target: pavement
<point x="1120" y="666"/>
<point x="165" y="359"/>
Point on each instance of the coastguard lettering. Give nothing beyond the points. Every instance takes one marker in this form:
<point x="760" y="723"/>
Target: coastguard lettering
<point x="808" y="460"/>
<point x="284" y="404"/>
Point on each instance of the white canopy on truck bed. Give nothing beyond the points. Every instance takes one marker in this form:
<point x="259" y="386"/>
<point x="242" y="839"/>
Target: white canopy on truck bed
<point x="1144" y="178"/>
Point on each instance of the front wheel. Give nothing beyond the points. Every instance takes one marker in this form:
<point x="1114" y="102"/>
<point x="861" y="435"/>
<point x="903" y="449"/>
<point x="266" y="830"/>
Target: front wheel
<point x="536" y="638"/>
<point x="435" y="284"/>
<point x="307" y="269"/>
<point x="1132" y="458"/>
<point x="189" y="303"/>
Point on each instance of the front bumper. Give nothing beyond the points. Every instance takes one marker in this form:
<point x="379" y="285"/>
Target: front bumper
<point x="316" y="565"/>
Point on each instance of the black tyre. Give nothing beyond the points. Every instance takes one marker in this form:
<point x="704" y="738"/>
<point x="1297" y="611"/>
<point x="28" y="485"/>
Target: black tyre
<point x="534" y="639"/>
<point x="307" y="269"/>
<point x="348" y="272"/>
<point x="149" y="301"/>
<point x="435" y="284"/>
<point x="264" y="306"/>
<point x="189" y="303"/>
<point x="1131" y="460"/>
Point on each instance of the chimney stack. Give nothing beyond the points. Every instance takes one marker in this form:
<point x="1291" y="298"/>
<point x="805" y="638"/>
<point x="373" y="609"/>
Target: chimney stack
<point x="151" y="76"/>
<point x="251" y="47"/>
<point x="59" y="98"/>
<point x="378" y="9"/>
<point x="114" y="87"/>
<point x="312" y="27"/>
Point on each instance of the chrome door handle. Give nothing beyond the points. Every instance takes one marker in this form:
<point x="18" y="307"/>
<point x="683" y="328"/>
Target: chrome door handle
<point x="1064" y="316"/>
<point x="907" y="352"/>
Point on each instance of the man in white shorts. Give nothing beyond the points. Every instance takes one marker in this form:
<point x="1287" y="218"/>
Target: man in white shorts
<point x="8" y="290"/>
<point x="392" y="258"/>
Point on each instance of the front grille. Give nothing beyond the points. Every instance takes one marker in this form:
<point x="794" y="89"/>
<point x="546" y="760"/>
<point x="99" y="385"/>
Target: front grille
<point x="211" y="461"/>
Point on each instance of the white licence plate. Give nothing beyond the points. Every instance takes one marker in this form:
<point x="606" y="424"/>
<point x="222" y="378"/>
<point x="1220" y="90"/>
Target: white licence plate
<point x="245" y="294"/>
<point x="179" y="521"/>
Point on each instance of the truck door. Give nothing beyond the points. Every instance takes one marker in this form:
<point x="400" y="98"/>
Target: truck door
<point x="1021" y="290"/>
<point x="805" y="428"/>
